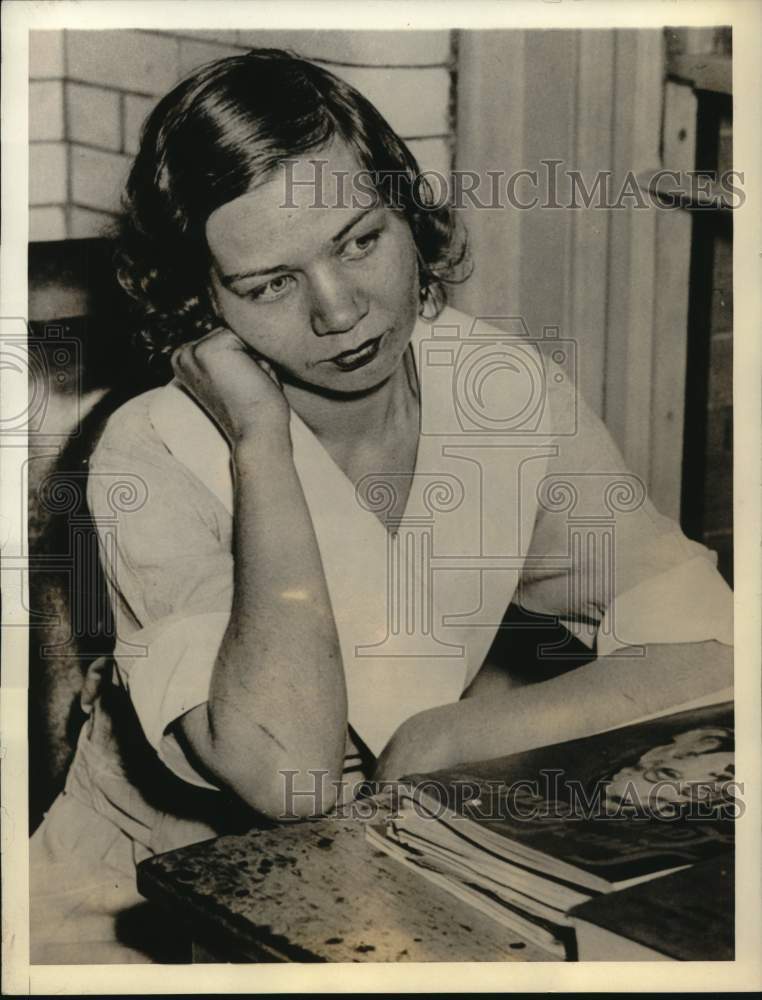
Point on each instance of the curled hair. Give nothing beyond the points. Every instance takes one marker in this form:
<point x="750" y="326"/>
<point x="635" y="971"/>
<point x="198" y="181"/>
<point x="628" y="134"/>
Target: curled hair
<point x="223" y="128"/>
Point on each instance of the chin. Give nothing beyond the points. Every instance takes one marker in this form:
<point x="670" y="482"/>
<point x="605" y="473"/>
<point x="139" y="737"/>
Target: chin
<point x="372" y="376"/>
<point x="342" y="385"/>
<point x="359" y="383"/>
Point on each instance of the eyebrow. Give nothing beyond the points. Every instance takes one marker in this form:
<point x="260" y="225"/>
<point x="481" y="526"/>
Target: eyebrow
<point x="230" y="279"/>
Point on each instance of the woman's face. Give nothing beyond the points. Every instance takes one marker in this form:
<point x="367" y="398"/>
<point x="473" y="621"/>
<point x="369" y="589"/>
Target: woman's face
<point x="326" y="290"/>
<point x="692" y="764"/>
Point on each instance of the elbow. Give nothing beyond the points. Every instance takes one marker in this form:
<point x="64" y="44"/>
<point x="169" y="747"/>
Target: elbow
<point x="281" y="784"/>
<point x="294" y="796"/>
<point x="284" y="793"/>
<point x="277" y="785"/>
<point x="278" y="790"/>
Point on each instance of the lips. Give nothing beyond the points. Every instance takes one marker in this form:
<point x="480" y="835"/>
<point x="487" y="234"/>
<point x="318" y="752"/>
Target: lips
<point x="358" y="356"/>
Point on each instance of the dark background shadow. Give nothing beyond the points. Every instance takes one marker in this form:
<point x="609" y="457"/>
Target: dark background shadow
<point x="83" y="366"/>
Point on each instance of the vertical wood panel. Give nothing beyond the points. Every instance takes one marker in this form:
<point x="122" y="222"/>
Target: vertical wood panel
<point x="593" y="100"/>
<point x="673" y="254"/>
<point x="490" y="117"/>
<point x="627" y="401"/>
<point x="590" y="226"/>
<point x="551" y="64"/>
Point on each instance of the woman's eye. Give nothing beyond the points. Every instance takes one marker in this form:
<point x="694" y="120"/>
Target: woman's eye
<point x="360" y="246"/>
<point x="273" y="289"/>
<point x="660" y="772"/>
<point x="668" y="774"/>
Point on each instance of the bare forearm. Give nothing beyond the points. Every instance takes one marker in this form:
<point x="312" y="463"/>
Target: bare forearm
<point x="277" y="699"/>
<point x="607" y="692"/>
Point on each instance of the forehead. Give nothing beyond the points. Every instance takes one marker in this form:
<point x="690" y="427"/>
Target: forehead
<point x="304" y="202"/>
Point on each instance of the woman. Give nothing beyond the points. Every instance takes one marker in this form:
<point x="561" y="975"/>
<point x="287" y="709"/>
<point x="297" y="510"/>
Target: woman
<point x="333" y="517"/>
<point x="697" y="769"/>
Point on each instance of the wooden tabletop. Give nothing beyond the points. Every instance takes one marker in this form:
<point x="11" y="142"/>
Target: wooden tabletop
<point x="318" y="891"/>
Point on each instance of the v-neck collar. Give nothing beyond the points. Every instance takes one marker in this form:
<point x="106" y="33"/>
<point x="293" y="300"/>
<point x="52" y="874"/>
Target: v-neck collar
<point x="415" y="611"/>
<point x="300" y="431"/>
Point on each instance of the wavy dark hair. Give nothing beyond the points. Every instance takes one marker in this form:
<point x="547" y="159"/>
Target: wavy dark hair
<point x="213" y="136"/>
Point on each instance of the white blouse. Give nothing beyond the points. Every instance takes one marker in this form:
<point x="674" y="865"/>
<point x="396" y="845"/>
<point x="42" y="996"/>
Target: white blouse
<point x="519" y="494"/>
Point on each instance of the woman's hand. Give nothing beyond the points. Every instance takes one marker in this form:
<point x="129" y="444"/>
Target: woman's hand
<point x="601" y="695"/>
<point x="241" y="392"/>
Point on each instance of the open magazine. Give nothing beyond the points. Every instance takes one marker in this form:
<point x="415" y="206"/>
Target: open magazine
<point x="527" y="837"/>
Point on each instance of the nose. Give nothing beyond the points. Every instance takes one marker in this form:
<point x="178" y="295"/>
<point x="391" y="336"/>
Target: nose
<point x="338" y="304"/>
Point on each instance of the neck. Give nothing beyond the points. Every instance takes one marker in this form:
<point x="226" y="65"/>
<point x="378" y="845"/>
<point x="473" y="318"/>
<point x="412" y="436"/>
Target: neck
<point x="343" y="421"/>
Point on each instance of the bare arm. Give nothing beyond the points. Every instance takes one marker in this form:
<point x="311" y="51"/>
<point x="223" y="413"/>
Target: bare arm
<point x="500" y="717"/>
<point x="277" y="700"/>
<point x="607" y="692"/>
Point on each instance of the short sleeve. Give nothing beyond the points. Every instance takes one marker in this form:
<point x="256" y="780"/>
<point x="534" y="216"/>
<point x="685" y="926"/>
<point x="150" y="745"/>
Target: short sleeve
<point x="603" y="559"/>
<point x="168" y="668"/>
<point x="167" y="555"/>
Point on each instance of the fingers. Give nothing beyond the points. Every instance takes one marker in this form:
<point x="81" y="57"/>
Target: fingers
<point x="220" y="338"/>
<point x="269" y="370"/>
<point x="230" y="381"/>
<point x="197" y="357"/>
<point x="223" y="372"/>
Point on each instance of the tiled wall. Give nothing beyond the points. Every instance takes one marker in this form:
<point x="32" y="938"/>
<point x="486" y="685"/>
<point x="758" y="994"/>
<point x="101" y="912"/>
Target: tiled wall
<point x="91" y="90"/>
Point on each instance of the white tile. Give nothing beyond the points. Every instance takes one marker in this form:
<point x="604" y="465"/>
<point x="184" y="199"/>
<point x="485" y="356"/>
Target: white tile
<point x="415" y="102"/>
<point x="194" y="54"/>
<point x="433" y="155"/>
<point x="94" y="116"/>
<point x="48" y="223"/>
<point x="46" y="118"/>
<point x="83" y="222"/>
<point x="130" y="60"/>
<point x="97" y="178"/>
<point x="135" y="111"/>
<point x="228" y="37"/>
<point x="45" y="54"/>
<point x="364" y="48"/>
<point x="47" y="173"/>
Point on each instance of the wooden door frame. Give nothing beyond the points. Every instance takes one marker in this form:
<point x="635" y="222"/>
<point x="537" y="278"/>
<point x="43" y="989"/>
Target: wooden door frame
<point x="623" y="274"/>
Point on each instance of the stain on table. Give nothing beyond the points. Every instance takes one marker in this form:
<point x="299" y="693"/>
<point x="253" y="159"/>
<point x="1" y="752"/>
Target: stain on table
<point x="317" y="891"/>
